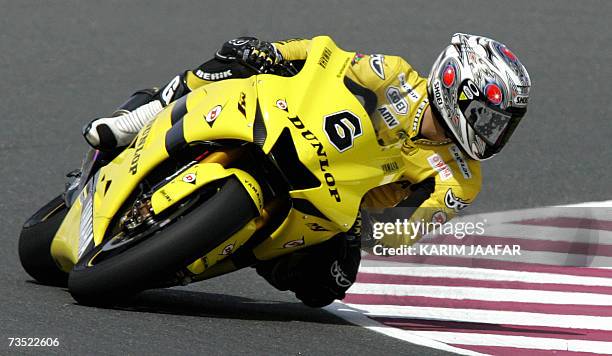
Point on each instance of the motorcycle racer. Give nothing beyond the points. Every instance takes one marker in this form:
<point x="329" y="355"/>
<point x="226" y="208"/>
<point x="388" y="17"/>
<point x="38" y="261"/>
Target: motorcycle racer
<point x="475" y="96"/>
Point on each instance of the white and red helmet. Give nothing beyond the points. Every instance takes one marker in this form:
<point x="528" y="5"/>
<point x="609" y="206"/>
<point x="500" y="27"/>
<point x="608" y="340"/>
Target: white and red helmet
<point x="480" y="90"/>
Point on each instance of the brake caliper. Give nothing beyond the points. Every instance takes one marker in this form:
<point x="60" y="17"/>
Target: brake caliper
<point x="141" y="212"/>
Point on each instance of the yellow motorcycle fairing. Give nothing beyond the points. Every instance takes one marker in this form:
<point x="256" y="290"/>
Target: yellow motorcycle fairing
<point x="184" y="121"/>
<point x="333" y="136"/>
<point x="198" y="176"/>
<point x="301" y="105"/>
<point x="307" y="101"/>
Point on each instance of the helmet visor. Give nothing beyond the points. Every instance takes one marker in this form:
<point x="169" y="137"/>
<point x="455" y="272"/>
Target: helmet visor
<point x="488" y="123"/>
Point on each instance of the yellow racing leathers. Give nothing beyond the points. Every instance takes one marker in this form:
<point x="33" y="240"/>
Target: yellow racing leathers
<point x="439" y="180"/>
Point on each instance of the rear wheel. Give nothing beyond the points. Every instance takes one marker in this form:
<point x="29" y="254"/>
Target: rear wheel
<point x="35" y="243"/>
<point x="111" y="271"/>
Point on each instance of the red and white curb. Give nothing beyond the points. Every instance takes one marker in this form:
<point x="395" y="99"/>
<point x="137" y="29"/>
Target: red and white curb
<point x="516" y="304"/>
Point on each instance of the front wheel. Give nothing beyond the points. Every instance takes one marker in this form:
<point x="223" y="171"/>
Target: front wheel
<point x="35" y="243"/>
<point x="103" y="281"/>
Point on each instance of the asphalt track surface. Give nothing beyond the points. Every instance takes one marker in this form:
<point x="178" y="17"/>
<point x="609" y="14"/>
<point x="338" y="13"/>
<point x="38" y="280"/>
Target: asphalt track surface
<point x="64" y="62"/>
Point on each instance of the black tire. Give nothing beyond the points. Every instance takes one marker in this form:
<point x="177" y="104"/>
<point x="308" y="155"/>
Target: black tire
<point x="35" y="243"/>
<point x="167" y="251"/>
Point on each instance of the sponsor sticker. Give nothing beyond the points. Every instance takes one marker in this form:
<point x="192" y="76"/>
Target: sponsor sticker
<point x="411" y="93"/>
<point x="139" y="146"/>
<point x="521" y="100"/>
<point x="242" y="104"/>
<point x="390" y="167"/>
<point x="213" y="114"/>
<point x="437" y="163"/>
<point x="281" y="104"/>
<point x="320" y="149"/>
<point x="418" y="115"/>
<point x="324" y="59"/>
<point x="238" y="41"/>
<point x="388" y="117"/>
<point x="458" y="157"/>
<point x="255" y="191"/>
<point x="357" y="58"/>
<point x="190" y="178"/>
<point x="438" y="94"/>
<point x="453" y="202"/>
<point x="165" y="195"/>
<point x="213" y="76"/>
<point x="439" y="217"/>
<point x="228" y="249"/>
<point x="377" y="63"/>
<point x="395" y="97"/>
<point x="339" y="275"/>
<point x="294" y="243"/>
<point x="316" y="227"/>
<point x="471" y="90"/>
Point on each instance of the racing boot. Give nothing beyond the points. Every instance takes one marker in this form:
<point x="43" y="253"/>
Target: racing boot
<point x="109" y="133"/>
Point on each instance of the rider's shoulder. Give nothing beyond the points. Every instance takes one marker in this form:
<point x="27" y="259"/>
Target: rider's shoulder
<point x="465" y="172"/>
<point x="379" y="68"/>
<point x="446" y="162"/>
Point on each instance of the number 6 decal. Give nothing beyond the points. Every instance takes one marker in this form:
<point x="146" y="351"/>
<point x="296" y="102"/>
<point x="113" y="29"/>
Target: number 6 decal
<point x="341" y="129"/>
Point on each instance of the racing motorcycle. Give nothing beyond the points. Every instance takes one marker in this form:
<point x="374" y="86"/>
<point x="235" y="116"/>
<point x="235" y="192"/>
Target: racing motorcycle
<point x="236" y="172"/>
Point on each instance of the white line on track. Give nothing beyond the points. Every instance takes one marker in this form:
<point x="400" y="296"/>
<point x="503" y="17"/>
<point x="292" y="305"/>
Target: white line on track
<point x="550" y="233"/>
<point x="485" y="274"/>
<point x="591" y="204"/>
<point x="357" y="318"/>
<point x="489" y="316"/>
<point x="549" y="212"/>
<point x="542" y="257"/>
<point x="538" y="343"/>
<point x="478" y="293"/>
